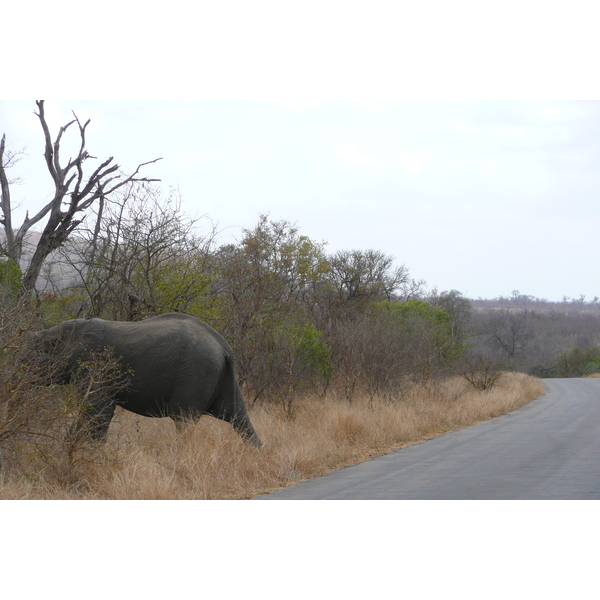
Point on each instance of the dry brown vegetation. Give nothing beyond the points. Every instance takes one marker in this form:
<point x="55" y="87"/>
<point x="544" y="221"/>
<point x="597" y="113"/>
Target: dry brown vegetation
<point x="147" y="459"/>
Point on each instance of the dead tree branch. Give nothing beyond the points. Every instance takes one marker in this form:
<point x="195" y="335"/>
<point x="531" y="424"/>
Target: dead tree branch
<point x="74" y="193"/>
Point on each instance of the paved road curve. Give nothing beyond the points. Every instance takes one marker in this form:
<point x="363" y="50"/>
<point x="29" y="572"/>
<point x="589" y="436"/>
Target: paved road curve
<point x="549" y="449"/>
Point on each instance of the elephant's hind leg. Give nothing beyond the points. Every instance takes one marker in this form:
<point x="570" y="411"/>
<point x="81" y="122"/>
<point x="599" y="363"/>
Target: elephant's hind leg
<point x="231" y="408"/>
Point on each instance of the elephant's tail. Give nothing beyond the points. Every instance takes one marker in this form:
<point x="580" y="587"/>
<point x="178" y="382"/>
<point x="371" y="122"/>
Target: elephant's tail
<point x="230" y="405"/>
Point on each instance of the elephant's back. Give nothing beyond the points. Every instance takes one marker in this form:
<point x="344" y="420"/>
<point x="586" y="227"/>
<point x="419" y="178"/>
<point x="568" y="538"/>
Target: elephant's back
<point x="168" y="343"/>
<point x="189" y="325"/>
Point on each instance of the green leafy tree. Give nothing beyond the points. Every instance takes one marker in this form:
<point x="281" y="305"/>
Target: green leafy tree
<point x="459" y="309"/>
<point x="305" y="361"/>
<point x="430" y="328"/>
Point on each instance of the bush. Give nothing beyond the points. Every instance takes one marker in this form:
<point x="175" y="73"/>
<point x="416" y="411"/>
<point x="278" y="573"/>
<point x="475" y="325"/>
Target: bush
<point x="28" y="408"/>
<point x="480" y="372"/>
<point x="44" y="428"/>
<point x="578" y="362"/>
<point x="427" y="328"/>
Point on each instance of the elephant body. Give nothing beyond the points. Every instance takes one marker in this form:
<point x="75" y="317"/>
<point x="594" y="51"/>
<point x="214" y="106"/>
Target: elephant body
<point x="178" y="367"/>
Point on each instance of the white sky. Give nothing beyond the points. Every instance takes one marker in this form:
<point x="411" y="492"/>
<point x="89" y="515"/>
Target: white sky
<point x="472" y="188"/>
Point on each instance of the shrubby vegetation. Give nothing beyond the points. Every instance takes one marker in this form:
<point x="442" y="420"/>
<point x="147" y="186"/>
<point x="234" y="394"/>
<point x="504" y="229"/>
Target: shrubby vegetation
<point x="578" y="362"/>
<point x="299" y="320"/>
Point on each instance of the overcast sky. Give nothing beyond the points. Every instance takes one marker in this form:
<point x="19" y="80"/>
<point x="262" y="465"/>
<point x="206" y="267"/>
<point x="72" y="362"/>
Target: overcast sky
<point x="482" y="196"/>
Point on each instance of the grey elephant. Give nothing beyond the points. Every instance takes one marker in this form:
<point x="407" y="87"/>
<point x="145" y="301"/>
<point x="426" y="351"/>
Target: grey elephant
<point x="177" y="367"/>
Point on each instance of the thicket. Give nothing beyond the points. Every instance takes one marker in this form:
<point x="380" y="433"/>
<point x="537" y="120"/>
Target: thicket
<point x="44" y="427"/>
<point x="300" y="320"/>
<point x="578" y="362"/>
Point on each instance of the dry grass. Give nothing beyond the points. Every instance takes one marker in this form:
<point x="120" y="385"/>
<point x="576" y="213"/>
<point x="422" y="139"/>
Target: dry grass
<point x="147" y="458"/>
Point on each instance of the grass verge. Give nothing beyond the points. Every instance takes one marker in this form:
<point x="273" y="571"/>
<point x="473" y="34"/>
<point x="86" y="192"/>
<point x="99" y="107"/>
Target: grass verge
<point x="147" y="459"/>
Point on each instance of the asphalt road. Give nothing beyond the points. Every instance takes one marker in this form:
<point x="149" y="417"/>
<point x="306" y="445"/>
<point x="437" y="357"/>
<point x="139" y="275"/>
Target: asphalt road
<point x="549" y="449"/>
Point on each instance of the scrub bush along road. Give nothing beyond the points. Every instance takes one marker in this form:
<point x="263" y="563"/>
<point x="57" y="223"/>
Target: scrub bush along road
<point x="549" y="449"/>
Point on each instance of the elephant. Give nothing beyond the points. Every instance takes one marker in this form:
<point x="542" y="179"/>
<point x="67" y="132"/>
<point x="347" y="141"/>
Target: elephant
<point x="177" y="366"/>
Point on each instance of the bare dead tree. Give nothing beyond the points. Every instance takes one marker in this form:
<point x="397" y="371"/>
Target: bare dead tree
<point x="509" y="332"/>
<point x="74" y="193"/>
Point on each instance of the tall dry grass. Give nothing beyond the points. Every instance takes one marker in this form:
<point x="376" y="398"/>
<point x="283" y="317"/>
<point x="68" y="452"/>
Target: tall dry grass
<point x="148" y="459"/>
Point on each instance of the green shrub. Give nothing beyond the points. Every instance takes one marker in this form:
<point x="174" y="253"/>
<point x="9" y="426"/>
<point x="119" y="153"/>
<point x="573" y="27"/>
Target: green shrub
<point x="578" y="362"/>
<point x="430" y="323"/>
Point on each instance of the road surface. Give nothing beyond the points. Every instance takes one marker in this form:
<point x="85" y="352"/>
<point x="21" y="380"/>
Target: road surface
<point x="549" y="449"/>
